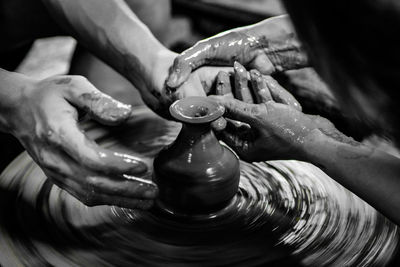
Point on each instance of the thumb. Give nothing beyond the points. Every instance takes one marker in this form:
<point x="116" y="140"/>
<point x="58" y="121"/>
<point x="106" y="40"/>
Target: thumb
<point x="100" y="106"/>
<point x="263" y="64"/>
<point x="186" y="62"/>
<point x="241" y="111"/>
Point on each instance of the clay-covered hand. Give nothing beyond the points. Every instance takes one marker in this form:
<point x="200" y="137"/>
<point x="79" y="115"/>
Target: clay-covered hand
<point x="268" y="46"/>
<point x="266" y="121"/>
<point x="159" y="97"/>
<point x="45" y="122"/>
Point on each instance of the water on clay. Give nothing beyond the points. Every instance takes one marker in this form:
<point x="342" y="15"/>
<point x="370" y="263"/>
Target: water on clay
<point x="286" y="213"/>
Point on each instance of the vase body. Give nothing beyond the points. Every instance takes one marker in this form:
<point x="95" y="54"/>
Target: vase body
<point x="196" y="174"/>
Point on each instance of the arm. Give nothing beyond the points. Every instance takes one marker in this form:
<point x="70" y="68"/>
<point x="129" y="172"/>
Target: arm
<point x="279" y="130"/>
<point x="270" y="45"/>
<point x="370" y="173"/>
<point x="110" y="30"/>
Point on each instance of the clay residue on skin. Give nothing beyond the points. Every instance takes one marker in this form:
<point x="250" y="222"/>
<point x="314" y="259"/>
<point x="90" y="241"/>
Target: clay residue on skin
<point x="340" y="137"/>
<point x="105" y="108"/>
<point x="65" y="80"/>
<point x="223" y="85"/>
<point x="355" y="151"/>
<point x="350" y="153"/>
<point x="284" y="54"/>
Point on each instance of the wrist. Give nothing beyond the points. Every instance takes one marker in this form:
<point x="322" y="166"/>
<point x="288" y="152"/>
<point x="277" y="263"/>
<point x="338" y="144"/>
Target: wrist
<point x="160" y="65"/>
<point x="322" y="145"/>
<point x="12" y="88"/>
<point x="163" y="57"/>
<point x="310" y="145"/>
<point x="141" y="70"/>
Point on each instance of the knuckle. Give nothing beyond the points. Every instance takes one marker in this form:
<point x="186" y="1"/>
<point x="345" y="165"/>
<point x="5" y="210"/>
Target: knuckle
<point x="92" y="181"/>
<point x="43" y="158"/>
<point x="268" y="106"/>
<point x="46" y="165"/>
<point x="178" y="60"/>
<point x="89" y="199"/>
<point x="45" y="132"/>
<point x="258" y="111"/>
<point x="79" y="79"/>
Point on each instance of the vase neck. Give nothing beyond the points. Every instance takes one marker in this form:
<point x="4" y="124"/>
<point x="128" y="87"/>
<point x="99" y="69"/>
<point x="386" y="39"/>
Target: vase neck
<point x="192" y="135"/>
<point x="195" y="130"/>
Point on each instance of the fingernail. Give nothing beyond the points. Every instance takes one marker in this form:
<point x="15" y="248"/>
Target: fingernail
<point x="237" y="66"/>
<point x="172" y="79"/>
<point x="219" y="124"/>
<point x="255" y="73"/>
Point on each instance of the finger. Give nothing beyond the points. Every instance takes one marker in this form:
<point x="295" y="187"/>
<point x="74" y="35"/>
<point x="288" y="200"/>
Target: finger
<point x="219" y="124"/>
<point x="100" y="106"/>
<point x="89" y="196"/>
<point x="208" y="76"/>
<point x="125" y="202"/>
<point x="200" y="83"/>
<point x="72" y="187"/>
<point x="232" y="140"/>
<point x="262" y="63"/>
<point x="242" y="90"/>
<point x="223" y="85"/>
<point x="236" y="137"/>
<point x="241" y="111"/>
<point x="260" y="88"/>
<point x="126" y="186"/>
<point x="281" y="95"/>
<point x="90" y="155"/>
<point x="186" y="62"/>
<point x="223" y="88"/>
<point x="98" y="190"/>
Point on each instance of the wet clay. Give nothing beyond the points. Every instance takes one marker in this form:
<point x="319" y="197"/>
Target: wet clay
<point x="196" y="174"/>
<point x="285" y="213"/>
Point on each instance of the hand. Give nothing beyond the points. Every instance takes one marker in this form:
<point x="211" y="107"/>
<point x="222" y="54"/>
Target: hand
<point x="268" y="46"/>
<point x="275" y="128"/>
<point x="159" y="97"/>
<point x="45" y="122"/>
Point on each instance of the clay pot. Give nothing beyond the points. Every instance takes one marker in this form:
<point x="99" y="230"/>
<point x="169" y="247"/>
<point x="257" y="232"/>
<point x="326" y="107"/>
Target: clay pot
<point x="196" y="174"/>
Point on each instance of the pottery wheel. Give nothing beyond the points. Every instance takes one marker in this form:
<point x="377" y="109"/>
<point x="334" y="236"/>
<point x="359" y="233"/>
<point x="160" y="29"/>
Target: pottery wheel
<point x="286" y="213"/>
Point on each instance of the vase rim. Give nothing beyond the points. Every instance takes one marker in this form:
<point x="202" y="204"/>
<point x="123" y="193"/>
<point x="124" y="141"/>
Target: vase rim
<point x="196" y="110"/>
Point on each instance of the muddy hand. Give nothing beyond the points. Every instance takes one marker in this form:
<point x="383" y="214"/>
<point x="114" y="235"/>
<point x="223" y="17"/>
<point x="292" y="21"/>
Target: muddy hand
<point x="272" y="129"/>
<point x="46" y="124"/>
<point x="268" y="46"/>
<point x="159" y="97"/>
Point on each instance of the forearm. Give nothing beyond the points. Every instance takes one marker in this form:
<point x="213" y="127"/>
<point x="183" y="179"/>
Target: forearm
<point x="11" y="87"/>
<point x="110" y="30"/>
<point x="371" y="174"/>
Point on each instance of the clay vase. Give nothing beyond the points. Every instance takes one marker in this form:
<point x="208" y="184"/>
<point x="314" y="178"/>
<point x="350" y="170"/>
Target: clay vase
<point x="196" y="174"/>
